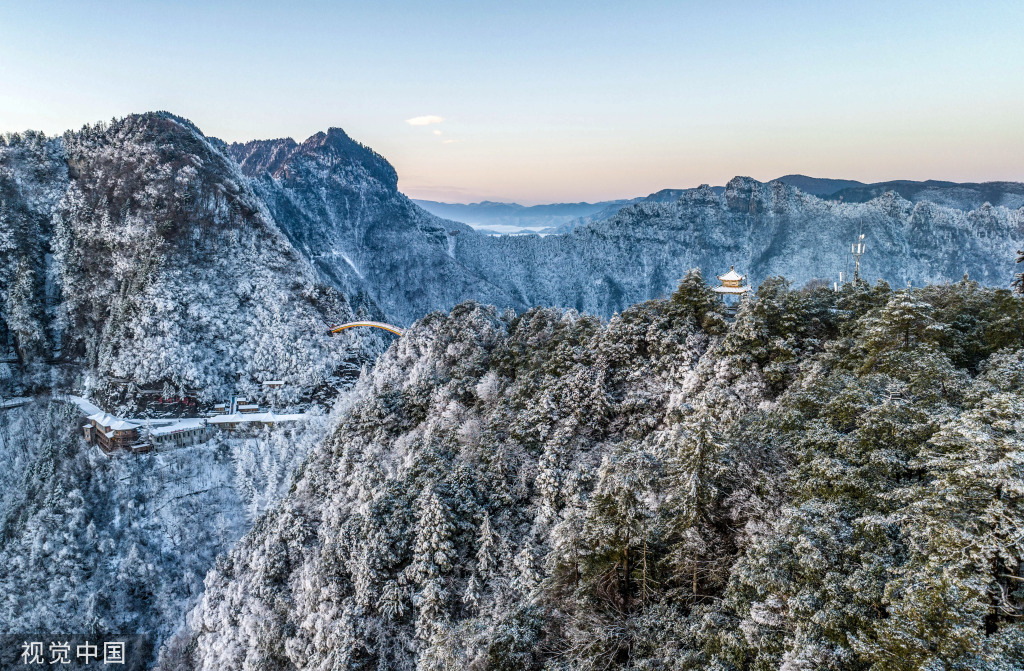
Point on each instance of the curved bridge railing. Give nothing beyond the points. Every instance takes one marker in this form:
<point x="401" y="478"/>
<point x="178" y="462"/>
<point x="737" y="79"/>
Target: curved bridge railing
<point x="377" y="325"/>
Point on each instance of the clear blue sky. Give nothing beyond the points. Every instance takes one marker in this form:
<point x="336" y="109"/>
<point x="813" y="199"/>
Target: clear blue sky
<point x="550" y="101"/>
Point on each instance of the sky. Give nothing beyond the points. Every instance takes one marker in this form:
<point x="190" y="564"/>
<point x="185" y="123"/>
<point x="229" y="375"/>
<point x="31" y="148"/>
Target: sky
<point x="538" y="102"/>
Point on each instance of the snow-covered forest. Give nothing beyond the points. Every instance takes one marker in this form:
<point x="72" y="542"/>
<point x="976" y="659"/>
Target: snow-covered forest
<point x="137" y="254"/>
<point x="96" y="544"/>
<point x="832" y="480"/>
<point x="572" y="459"/>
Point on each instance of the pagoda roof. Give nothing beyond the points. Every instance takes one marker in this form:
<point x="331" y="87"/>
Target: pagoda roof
<point x="731" y="276"/>
<point x="730" y="290"/>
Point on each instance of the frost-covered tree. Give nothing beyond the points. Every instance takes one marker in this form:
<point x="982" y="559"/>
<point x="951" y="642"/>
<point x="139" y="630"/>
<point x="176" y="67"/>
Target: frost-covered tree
<point x="694" y="464"/>
<point x="433" y="557"/>
<point x="487" y="549"/>
<point x="548" y="491"/>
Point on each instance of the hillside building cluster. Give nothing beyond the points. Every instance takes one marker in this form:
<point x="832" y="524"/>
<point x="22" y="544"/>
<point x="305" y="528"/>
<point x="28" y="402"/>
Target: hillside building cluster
<point x="114" y="434"/>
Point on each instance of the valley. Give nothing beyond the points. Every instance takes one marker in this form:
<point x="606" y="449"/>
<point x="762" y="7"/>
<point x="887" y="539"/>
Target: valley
<point x="562" y="449"/>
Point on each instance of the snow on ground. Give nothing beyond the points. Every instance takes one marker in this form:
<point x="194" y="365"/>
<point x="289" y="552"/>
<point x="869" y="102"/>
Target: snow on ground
<point x="159" y="519"/>
<point x="86" y="406"/>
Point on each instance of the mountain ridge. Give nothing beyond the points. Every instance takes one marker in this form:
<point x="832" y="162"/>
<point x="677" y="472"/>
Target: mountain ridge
<point x="331" y="209"/>
<point x="165" y="268"/>
<point x="958" y="195"/>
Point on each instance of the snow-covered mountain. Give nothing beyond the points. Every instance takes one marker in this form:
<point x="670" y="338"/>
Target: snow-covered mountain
<point x="150" y="253"/>
<point x="961" y="196"/>
<point x="140" y="253"/>
<point x="338" y="203"/>
<point x="762" y="230"/>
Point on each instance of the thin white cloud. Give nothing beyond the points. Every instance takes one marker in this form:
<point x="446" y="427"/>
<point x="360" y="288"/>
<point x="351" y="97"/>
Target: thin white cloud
<point x="448" y="141"/>
<point x="437" y="132"/>
<point x="424" y="120"/>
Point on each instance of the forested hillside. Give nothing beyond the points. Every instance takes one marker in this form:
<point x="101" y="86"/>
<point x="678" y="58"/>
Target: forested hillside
<point x="762" y="230"/>
<point x="145" y="252"/>
<point x="137" y="252"/>
<point x="101" y="545"/>
<point x="833" y="480"/>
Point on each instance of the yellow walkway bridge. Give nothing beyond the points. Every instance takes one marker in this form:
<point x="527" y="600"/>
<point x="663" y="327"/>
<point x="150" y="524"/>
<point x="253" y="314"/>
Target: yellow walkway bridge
<point x="376" y="325"/>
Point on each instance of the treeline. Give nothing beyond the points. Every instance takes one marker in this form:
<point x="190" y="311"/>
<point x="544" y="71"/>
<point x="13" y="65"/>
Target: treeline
<point x="832" y="480"/>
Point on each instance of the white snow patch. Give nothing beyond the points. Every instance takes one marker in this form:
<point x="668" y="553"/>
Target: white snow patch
<point x="349" y="261"/>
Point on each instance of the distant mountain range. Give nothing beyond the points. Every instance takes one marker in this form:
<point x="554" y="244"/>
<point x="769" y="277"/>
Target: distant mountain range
<point x="564" y="217"/>
<point x="512" y="217"/>
<point x="145" y="241"/>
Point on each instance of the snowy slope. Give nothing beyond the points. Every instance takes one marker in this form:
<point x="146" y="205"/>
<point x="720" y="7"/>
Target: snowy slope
<point x="338" y="203"/>
<point x="662" y="491"/>
<point x="91" y="543"/>
<point x="169" y="269"/>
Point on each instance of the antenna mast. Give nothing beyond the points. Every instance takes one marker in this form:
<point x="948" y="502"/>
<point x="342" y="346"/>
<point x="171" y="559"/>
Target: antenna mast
<point x="856" y="250"/>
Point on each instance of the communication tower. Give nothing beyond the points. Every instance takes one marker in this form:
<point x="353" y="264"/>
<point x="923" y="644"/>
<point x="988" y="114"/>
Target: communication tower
<point x="856" y="249"/>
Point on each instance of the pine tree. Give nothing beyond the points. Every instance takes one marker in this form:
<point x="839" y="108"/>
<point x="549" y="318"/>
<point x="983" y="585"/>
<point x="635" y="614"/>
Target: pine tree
<point x="903" y="322"/>
<point x="486" y="553"/>
<point x="22" y="313"/>
<point x="431" y="608"/>
<point x="692" y="469"/>
<point x="391" y="603"/>
<point x="472" y="597"/>
<point x="433" y="559"/>
<point x="698" y="303"/>
<point x="527" y="577"/>
<point x="1018" y="278"/>
<point x="622" y="522"/>
<point x="433" y="552"/>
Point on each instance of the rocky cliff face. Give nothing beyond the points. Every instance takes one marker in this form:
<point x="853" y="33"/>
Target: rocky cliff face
<point x="163" y="266"/>
<point x="338" y="203"/>
<point x="172" y="256"/>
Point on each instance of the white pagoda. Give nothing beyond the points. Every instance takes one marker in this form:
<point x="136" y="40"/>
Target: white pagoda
<point x="732" y="286"/>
